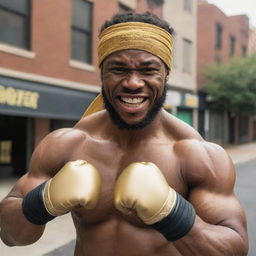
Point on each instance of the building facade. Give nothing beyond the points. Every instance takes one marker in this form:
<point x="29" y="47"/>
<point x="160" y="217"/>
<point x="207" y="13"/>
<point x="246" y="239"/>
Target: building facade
<point x="252" y="41"/>
<point x="48" y="68"/>
<point x="182" y="99"/>
<point x="220" y="38"/>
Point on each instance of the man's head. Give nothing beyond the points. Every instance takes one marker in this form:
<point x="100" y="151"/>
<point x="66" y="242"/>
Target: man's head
<point x="135" y="54"/>
<point x="136" y="31"/>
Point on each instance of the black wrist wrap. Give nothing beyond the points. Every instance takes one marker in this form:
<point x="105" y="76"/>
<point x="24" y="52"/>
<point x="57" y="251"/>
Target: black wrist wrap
<point x="33" y="207"/>
<point x="179" y="221"/>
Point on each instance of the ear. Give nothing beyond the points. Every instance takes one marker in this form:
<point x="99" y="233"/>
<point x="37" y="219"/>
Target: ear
<point x="167" y="76"/>
<point x="101" y="72"/>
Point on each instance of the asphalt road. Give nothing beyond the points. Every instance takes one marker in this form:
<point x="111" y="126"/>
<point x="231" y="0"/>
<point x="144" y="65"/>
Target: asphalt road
<point x="245" y="190"/>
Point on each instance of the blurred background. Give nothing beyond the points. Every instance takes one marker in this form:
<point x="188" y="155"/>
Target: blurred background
<point x="49" y="72"/>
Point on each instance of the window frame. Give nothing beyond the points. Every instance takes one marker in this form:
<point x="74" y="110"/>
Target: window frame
<point x="244" y="51"/>
<point x="232" y="45"/>
<point x="27" y="19"/>
<point x="86" y="33"/>
<point x="188" y="6"/>
<point x="218" y="35"/>
<point x="187" y="68"/>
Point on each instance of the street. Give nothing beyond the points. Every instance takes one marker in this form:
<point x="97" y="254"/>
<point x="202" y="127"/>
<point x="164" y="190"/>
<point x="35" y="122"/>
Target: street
<point x="246" y="190"/>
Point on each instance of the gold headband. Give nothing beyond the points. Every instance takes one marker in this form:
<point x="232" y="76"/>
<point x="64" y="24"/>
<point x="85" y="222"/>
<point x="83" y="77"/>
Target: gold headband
<point x="96" y="105"/>
<point x="139" y="36"/>
<point x="132" y="35"/>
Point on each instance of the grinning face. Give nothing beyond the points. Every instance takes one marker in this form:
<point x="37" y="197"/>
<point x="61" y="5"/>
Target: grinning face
<point x="133" y="87"/>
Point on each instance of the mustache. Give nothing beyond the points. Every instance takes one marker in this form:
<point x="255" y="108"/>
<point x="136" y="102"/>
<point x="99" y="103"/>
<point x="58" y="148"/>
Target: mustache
<point x="129" y="91"/>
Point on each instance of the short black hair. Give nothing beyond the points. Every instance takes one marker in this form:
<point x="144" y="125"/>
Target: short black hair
<point x="146" y="17"/>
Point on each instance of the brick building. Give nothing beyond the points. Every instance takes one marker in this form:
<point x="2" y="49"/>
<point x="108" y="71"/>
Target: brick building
<point x="252" y="41"/>
<point x="182" y="98"/>
<point x="48" y="68"/>
<point x="220" y="38"/>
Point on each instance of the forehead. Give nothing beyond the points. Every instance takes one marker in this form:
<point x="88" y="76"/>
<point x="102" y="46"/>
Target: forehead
<point x="137" y="57"/>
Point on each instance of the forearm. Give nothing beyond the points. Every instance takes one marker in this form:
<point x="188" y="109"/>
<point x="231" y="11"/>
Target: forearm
<point x="15" y="228"/>
<point x="212" y="240"/>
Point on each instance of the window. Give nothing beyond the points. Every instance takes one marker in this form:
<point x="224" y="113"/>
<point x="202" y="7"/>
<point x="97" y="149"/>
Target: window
<point x="232" y="44"/>
<point x="5" y="152"/>
<point x="244" y="51"/>
<point x="82" y="31"/>
<point x="188" y="5"/>
<point x="123" y="8"/>
<point x="218" y="36"/>
<point x="15" y="23"/>
<point x="187" y="56"/>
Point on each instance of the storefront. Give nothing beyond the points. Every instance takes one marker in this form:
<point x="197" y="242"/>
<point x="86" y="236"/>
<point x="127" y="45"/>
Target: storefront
<point x="183" y="105"/>
<point x="23" y="104"/>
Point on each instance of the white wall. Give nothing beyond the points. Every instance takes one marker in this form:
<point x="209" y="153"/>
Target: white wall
<point x="185" y="25"/>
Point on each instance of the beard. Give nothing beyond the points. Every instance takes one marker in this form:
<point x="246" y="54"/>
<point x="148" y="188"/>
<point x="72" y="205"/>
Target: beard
<point x="150" y="116"/>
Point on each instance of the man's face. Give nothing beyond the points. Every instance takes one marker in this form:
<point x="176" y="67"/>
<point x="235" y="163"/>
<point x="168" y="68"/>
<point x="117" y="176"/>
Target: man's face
<point x="133" y="87"/>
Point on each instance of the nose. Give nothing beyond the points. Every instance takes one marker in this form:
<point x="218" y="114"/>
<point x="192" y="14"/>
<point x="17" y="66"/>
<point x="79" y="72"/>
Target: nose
<point x="133" y="81"/>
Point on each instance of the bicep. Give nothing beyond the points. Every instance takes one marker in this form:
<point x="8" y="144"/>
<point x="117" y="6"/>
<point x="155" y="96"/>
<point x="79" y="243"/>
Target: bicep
<point x="214" y="199"/>
<point x="218" y="208"/>
<point x="25" y="184"/>
<point x="211" y="177"/>
<point x="220" y="224"/>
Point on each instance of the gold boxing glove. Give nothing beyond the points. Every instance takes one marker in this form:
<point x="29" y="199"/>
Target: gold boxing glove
<point x="76" y="183"/>
<point x="143" y="188"/>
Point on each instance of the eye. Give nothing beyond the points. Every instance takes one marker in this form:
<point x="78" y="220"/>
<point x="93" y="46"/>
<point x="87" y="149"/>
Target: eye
<point x="118" y="70"/>
<point x="148" y="71"/>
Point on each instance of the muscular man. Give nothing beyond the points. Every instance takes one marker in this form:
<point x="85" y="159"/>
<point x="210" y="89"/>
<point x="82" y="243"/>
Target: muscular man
<point x="137" y="180"/>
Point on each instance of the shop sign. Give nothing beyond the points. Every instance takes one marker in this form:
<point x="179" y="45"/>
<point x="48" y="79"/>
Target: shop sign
<point x="173" y="99"/>
<point x="191" y="100"/>
<point x="18" y="98"/>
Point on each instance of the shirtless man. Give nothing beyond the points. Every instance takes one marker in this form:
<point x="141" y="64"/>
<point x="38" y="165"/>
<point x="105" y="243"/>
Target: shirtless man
<point x="137" y="180"/>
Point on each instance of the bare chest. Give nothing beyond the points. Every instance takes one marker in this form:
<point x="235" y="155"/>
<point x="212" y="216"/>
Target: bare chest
<point x="111" y="160"/>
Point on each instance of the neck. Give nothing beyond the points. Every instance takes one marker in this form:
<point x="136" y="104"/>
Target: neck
<point x="128" y="137"/>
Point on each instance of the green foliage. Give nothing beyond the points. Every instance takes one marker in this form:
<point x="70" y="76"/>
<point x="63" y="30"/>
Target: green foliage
<point x="232" y="87"/>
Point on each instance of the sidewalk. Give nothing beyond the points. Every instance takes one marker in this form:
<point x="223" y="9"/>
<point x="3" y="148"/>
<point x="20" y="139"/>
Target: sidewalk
<point x="61" y="230"/>
<point x="242" y="153"/>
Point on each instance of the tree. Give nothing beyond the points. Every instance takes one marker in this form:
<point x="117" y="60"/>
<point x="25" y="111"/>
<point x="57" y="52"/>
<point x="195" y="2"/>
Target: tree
<point x="232" y="86"/>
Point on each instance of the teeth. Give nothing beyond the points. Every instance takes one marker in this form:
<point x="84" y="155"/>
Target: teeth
<point x="132" y="100"/>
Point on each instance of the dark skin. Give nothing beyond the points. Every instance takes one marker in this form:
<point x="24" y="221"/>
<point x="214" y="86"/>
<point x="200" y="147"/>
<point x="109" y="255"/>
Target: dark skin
<point x="200" y="171"/>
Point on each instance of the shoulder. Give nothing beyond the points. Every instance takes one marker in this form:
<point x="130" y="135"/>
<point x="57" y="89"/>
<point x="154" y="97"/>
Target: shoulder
<point x="57" y="147"/>
<point x="95" y="120"/>
<point x="199" y="148"/>
<point x="84" y="128"/>
<point x="53" y="151"/>
<point x="61" y="137"/>
<point x="205" y="163"/>
<point x="178" y="129"/>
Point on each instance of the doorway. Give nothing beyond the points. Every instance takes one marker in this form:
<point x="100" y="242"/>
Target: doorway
<point x="13" y="145"/>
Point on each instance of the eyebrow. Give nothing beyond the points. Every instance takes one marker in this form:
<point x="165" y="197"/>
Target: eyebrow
<point x="149" y="62"/>
<point x="143" y="63"/>
<point x="116" y="62"/>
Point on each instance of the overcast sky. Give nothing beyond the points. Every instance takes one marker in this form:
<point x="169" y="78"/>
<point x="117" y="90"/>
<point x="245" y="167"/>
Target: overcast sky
<point x="233" y="7"/>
